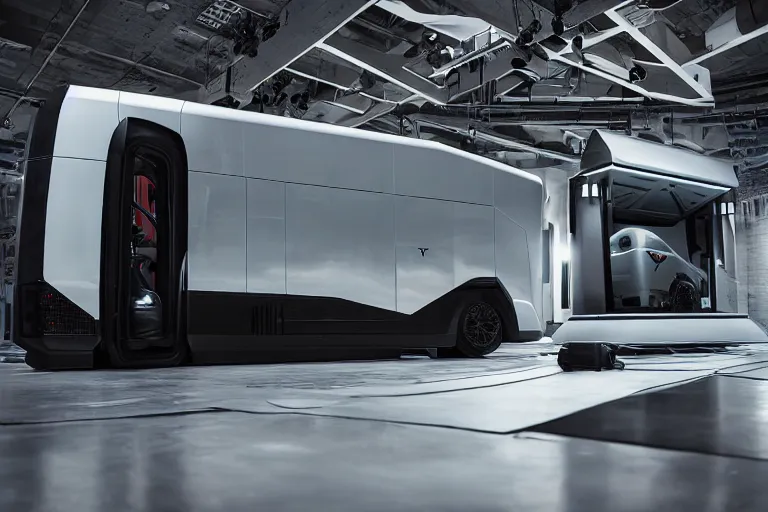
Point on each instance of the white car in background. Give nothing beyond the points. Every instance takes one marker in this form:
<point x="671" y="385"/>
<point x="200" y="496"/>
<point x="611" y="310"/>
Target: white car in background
<point x="647" y="273"/>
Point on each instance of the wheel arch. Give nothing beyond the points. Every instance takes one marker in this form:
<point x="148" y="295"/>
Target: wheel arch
<point x="493" y="292"/>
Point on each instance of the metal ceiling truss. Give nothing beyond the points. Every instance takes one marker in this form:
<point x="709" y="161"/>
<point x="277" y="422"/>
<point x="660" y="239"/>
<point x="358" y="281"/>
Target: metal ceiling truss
<point x="464" y="68"/>
<point x="503" y="63"/>
<point x="392" y="53"/>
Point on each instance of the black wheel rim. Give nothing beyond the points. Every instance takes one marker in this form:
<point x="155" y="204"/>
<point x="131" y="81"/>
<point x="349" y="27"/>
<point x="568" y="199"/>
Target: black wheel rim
<point x="482" y="325"/>
<point x="684" y="299"/>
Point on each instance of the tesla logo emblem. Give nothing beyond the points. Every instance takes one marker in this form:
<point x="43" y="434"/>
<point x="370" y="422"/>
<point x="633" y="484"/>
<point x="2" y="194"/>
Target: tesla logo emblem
<point x="423" y="250"/>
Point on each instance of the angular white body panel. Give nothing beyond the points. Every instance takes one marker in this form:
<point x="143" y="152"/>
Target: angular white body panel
<point x="282" y="206"/>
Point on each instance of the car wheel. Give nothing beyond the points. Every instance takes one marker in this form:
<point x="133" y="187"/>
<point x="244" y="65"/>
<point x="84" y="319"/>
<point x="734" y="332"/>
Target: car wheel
<point x="684" y="297"/>
<point x="479" y="330"/>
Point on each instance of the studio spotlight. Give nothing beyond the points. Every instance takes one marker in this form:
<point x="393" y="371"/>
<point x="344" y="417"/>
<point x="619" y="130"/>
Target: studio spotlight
<point x="637" y="74"/>
<point x="527" y="35"/>
<point x="578" y="42"/>
<point x="558" y="27"/>
<point x="518" y="63"/>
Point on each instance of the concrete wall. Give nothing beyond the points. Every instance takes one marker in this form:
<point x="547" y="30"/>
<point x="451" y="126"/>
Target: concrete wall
<point x="752" y="244"/>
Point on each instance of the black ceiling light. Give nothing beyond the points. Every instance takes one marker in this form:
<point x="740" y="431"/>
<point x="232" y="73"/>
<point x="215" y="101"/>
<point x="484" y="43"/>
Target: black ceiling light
<point x="539" y="52"/>
<point x="435" y="58"/>
<point x="273" y="95"/>
<point x="561" y="6"/>
<point x="430" y="40"/>
<point x="637" y="74"/>
<point x="279" y="82"/>
<point x="301" y="100"/>
<point x="243" y="30"/>
<point x="227" y="101"/>
<point x="269" y="30"/>
<point x="558" y="27"/>
<point x="529" y="33"/>
<point x="518" y="63"/>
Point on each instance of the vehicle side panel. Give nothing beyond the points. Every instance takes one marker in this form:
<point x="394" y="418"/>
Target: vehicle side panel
<point x="519" y="256"/>
<point x="426" y="171"/>
<point x="473" y="242"/>
<point x="246" y="144"/>
<point x="163" y="111"/>
<point x="423" y="224"/>
<point x="360" y="206"/>
<point x="236" y="143"/>
<point x="72" y="252"/>
<point x="512" y="264"/>
<point x="265" y="236"/>
<point x="340" y="243"/>
<point x="217" y="232"/>
<point x="87" y="119"/>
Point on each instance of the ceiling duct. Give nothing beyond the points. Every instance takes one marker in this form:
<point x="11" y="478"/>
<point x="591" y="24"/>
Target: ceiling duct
<point x="640" y="17"/>
<point x="528" y="140"/>
<point x="751" y="15"/>
<point x="584" y="10"/>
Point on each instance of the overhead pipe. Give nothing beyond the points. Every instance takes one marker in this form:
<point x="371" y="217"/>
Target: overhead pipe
<point x="48" y="58"/>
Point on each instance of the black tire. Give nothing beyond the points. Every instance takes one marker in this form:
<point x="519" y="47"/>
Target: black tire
<point x="684" y="297"/>
<point x="34" y="362"/>
<point x="479" y="331"/>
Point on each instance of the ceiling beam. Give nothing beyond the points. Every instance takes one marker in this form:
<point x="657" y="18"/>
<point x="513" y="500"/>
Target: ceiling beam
<point x="701" y="102"/>
<point x="731" y="44"/>
<point x="305" y="24"/>
<point x="433" y="94"/>
<point x="660" y="54"/>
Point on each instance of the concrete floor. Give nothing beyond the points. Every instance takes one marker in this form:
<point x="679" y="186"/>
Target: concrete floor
<point x="413" y="434"/>
<point x="10" y="353"/>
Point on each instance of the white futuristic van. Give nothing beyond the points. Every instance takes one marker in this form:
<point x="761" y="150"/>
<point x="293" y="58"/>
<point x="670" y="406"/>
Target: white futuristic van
<point x="158" y="232"/>
<point x="653" y="247"/>
<point x="647" y="273"/>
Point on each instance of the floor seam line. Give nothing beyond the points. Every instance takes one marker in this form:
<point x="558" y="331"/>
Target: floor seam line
<point x="109" y="418"/>
<point x="641" y="445"/>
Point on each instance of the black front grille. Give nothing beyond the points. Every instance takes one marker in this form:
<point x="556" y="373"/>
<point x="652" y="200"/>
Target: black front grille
<point x="58" y="316"/>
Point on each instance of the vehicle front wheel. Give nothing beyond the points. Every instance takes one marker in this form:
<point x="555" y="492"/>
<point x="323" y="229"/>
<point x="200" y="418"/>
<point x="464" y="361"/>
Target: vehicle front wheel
<point x="479" y="330"/>
<point x="684" y="297"/>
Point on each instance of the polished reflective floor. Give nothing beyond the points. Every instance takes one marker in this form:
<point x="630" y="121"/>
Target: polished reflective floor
<point x="721" y="415"/>
<point x="505" y="433"/>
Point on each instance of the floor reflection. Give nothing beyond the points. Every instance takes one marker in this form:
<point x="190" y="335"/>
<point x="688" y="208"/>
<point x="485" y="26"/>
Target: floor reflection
<point x="232" y="461"/>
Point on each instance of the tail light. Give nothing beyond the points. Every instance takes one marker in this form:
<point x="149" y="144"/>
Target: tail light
<point x="657" y="257"/>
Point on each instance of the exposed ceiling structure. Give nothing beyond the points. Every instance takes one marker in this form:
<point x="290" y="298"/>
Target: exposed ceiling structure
<point x="521" y="81"/>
